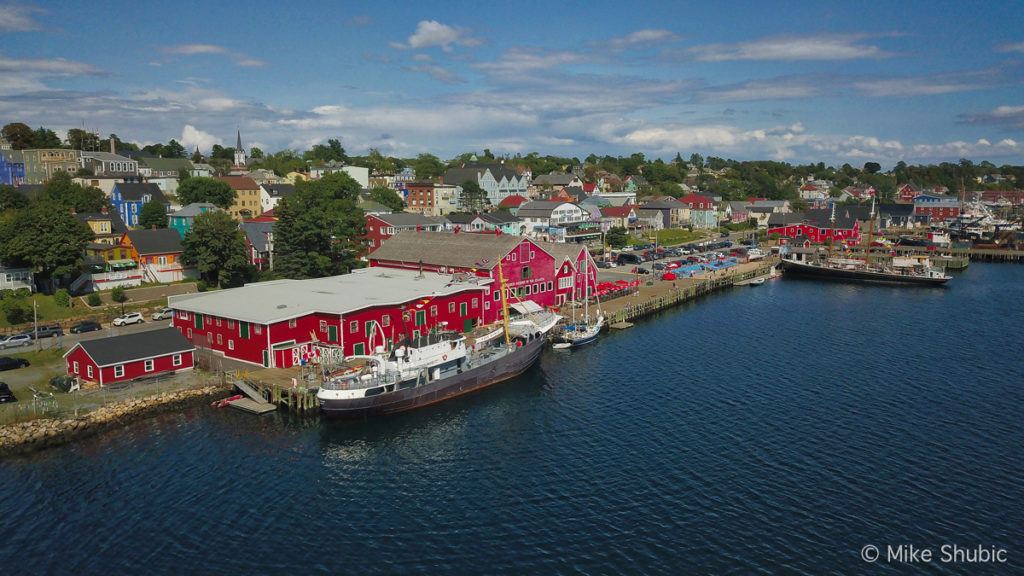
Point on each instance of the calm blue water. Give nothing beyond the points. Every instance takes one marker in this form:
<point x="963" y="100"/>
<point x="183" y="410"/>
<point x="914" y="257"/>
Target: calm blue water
<point x="775" y="429"/>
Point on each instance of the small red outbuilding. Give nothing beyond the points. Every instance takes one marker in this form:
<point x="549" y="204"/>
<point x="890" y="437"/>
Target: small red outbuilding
<point x="130" y="356"/>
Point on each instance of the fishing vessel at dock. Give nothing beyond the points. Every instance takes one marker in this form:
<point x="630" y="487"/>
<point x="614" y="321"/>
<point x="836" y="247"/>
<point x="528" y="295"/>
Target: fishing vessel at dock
<point x="915" y="269"/>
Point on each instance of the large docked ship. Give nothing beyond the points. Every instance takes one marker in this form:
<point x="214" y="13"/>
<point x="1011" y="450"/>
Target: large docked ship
<point x="431" y="369"/>
<point x="914" y="269"/>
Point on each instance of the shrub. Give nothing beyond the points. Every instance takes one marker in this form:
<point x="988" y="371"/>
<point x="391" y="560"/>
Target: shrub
<point x="7" y="294"/>
<point x="17" y="311"/>
<point x="93" y="299"/>
<point x="62" y="298"/>
<point x="22" y="293"/>
<point x="118" y="295"/>
<point x="201" y="286"/>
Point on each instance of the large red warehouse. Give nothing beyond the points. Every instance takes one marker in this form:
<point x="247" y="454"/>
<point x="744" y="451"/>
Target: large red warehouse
<point x="131" y="356"/>
<point x="282" y="322"/>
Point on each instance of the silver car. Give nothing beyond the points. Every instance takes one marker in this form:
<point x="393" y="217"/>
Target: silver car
<point x="15" y="341"/>
<point x="164" y="314"/>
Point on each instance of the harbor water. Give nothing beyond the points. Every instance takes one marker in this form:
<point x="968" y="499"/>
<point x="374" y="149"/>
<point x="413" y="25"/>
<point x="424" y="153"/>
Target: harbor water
<point x="776" y="429"/>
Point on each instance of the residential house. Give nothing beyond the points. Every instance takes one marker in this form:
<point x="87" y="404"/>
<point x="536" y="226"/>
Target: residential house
<point x="937" y="209"/>
<point x="496" y="180"/>
<point x="896" y="216"/>
<point x="183" y="219"/>
<point x="649" y="219"/>
<point x="674" y="214"/>
<point x="108" y="164"/>
<point x="12" y="172"/>
<point x="554" y="181"/>
<point x="463" y="222"/>
<point x="503" y="221"/>
<point x="151" y="167"/>
<point x="264" y="176"/>
<point x="906" y="192"/>
<point x="703" y="211"/>
<point x="635" y="184"/>
<point x="127" y="199"/>
<point x="558" y="221"/>
<point x="420" y="198"/>
<point x="41" y="164"/>
<point x="1002" y="197"/>
<point x="812" y="191"/>
<point x="357" y="173"/>
<point x="259" y="240"/>
<point x="114" y="359"/>
<point x="14" y="278"/>
<point x="380" y="227"/>
<point x="202" y="170"/>
<point x="776" y="205"/>
<point x="104" y="183"/>
<point x="370" y="207"/>
<point x="576" y="193"/>
<point x="158" y="253"/>
<point x="271" y="194"/>
<point x="761" y="215"/>
<point x="247" y="196"/>
<point x="619" y="216"/>
<point x="858" y="193"/>
<point x="107" y="227"/>
<point x="619" y="198"/>
<point x="737" y="211"/>
<point x="512" y="203"/>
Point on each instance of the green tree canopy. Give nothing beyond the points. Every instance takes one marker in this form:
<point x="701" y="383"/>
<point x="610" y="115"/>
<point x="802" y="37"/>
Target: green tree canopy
<point x="18" y="135"/>
<point x="202" y="189"/>
<point x="387" y="197"/>
<point x="44" y="236"/>
<point x="216" y="247"/>
<point x="11" y="199"/>
<point x="332" y="151"/>
<point x="617" y="237"/>
<point x="319" y="229"/>
<point x="428" y="166"/>
<point x="45" y="138"/>
<point x="79" y="139"/>
<point x="62" y="190"/>
<point x="153" y="215"/>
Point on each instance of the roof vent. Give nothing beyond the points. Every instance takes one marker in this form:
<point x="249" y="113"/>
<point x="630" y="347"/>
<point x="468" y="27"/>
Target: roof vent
<point x="282" y="306"/>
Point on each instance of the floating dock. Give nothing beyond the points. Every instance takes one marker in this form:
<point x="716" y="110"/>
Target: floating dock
<point x="253" y="407"/>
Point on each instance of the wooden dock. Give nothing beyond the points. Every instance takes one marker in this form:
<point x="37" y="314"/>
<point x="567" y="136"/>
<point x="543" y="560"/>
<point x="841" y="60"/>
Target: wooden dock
<point x="253" y="407"/>
<point x="293" y="389"/>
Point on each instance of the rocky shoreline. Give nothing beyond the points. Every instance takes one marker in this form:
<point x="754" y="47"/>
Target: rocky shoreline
<point x="33" y="435"/>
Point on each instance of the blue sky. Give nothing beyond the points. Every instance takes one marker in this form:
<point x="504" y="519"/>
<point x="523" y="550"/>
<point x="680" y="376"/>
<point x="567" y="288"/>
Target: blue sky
<point x="800" y="81"/>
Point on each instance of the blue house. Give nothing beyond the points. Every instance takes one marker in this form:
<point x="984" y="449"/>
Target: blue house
<point x="12" y="170"/>
<point x="127" y="199"/>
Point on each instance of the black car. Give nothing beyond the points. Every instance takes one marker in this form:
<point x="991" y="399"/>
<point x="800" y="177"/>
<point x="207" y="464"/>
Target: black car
<point x="6" y="395"/>
<point x="85" y="326"/>
<point x="642" y="270"/>
<point x="723" y="235"/>
<point x="658" y="266"/>
<point x="11" y="363"/>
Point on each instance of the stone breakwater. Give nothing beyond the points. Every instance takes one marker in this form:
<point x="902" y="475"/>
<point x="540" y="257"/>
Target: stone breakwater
<point x="44" y="432"/>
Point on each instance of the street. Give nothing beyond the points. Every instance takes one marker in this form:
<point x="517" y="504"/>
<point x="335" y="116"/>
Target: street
<point x="68" y="340"/>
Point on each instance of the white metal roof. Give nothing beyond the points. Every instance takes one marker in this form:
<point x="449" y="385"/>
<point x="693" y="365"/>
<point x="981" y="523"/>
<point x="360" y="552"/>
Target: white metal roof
<point x="277" y="300"/>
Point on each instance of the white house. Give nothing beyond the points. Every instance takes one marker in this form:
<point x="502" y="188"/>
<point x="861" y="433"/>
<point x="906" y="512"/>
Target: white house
<point x="271" y="194"/>
<point x="497" y="180"/>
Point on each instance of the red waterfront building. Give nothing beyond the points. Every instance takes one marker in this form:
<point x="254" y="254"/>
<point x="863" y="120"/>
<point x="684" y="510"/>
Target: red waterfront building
<point x="380" y="227"/>
<point x="283" y="322"/>
<point x="546" y="273"/>
<point x="130" y="356"/>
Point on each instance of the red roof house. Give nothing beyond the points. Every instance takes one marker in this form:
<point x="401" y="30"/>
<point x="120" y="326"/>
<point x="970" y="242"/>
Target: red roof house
<point x="130" y="356"/>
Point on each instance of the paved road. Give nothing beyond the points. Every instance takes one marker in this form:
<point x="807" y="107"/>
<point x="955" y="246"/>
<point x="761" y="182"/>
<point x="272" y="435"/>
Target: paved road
<point x="69" y="340"/>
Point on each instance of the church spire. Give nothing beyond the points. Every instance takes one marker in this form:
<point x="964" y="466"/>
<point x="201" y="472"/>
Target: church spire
<point x="239" y="151"/>
<point x="238" y="145"/>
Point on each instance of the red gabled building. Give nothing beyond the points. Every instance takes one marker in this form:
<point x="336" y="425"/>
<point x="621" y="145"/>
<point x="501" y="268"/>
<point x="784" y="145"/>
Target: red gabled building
<point x="380" y="227"/>
<point x="533" y="270"/>
<point x="131" y="356"/>
<point x="284" y="322"/>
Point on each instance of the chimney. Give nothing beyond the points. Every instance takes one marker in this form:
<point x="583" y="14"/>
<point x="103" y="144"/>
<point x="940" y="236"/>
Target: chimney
<point x="103" y="210"/>
<point x="113" y="146"/>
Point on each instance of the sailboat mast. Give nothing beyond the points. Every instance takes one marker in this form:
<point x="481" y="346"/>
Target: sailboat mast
<point x="504" y="303"/>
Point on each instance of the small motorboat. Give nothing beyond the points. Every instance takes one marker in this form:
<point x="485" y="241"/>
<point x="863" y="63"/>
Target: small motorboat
<point x="757" y="281"/>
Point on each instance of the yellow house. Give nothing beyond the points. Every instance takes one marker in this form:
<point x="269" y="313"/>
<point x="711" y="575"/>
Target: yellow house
<point x="247" y="196"/>
<point x="295" y="177"/>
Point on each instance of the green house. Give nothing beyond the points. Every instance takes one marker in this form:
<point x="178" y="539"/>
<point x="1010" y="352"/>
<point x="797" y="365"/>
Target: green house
<point x="182" y="219"/>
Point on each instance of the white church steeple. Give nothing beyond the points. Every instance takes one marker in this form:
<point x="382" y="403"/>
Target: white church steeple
<point x="239" y="151"/>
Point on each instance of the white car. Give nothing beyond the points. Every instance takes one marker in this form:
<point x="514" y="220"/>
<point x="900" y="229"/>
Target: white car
<point x="164" y="314"/>
<point x="16" y="341"/>
<point x="130" y="318"/>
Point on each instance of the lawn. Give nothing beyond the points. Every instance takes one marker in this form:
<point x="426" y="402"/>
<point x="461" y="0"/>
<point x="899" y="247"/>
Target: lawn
<point x="673" y="236"/>
<point x="50" y="310"/>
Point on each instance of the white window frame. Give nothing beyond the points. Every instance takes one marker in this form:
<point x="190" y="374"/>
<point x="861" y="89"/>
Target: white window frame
<point x="149" y="365"/>
<point x="74" y="367"/>
<point x="119" y="371"/>
<point x="176" y="360"/>
<point x="231" y="344"/>
<point x="88" y="371"/>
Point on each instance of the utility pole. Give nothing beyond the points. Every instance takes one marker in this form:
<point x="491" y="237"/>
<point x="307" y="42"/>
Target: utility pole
<point x="35" y="324"/>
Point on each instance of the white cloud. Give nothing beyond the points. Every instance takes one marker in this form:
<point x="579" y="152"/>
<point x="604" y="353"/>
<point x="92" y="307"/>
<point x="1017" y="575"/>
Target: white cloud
<point x="18" y="18"/>
<point x="1011" y="47"/>
<point x="431" y="33"/>
<point x="48" y="66"/>
<point x="781" y="89"/>
<point x="915" y="86"/>
<point x="207" y="49"/>
<point x="642" y="37"/>
<point x="824" y="47"/>
<point x="438" y="73"/>
<point x="192" y="137"/>
<point x="1009" y="117"/>
<point x="422" y="57"/>
<point x="517" y="61"/>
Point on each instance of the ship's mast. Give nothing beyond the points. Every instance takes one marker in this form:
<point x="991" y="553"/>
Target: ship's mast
<point x="871" y="231"/>
<point x="504" y="303"/>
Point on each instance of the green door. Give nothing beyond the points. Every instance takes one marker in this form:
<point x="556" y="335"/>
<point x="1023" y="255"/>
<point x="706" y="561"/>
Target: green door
<point x="332" y="333"/>
<point x="463" y="308"/>
<point x="199" y="321"/>
<point x="358" y="349"/>
<point x="467" y="325"/>
<point x="243" y="328"/>
<point x="421" y="317"/>
<point x="266" y="358"/>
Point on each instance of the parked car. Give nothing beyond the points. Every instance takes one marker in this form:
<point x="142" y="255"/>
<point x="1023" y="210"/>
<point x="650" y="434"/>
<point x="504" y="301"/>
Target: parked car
<point x="747" y="242"/>
<point x="604" y="264"/>
<point x="15" y="341"/>
<point x="12" y="363"/>
<point x="724" y="235"/>
<point x="629" y="259"/>
<point x="6" y="395"/>
<point x="49" y="331"/>
<point x="658" y="266"/>
<point x="165" y="314"/>
<point x="642" y="270"/>
<point x="129" y="318"/>
<point x="85" y="326"/>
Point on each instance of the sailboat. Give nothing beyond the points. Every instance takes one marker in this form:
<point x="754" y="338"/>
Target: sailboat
<point x="580" y="333"/>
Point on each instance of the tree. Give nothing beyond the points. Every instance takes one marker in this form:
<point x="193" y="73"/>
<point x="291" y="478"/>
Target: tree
<point x="617" y="237"/>
<point x="473" y="198"/>
<point x="387" y="197"/>
<point x="216" y="247"/>
<point x="331" y="152"/>
<point x="203" y="189"/>
<point x="44" y="236"/>
<point x="174" y="150"/>
<point x="79" y="139"/>
<point x="319" y="229"/>
<point x="255" y="153"/>
<point x="18" y="135"/>
<point x="153" y="215"/>
<point x="45" y="138"/>
<point x="62" y="190"/>
<point x="428" y="166"/>
<point x="11" y="199"/>
<point x="118" y="295"/>
<point x="872" y="167"/>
